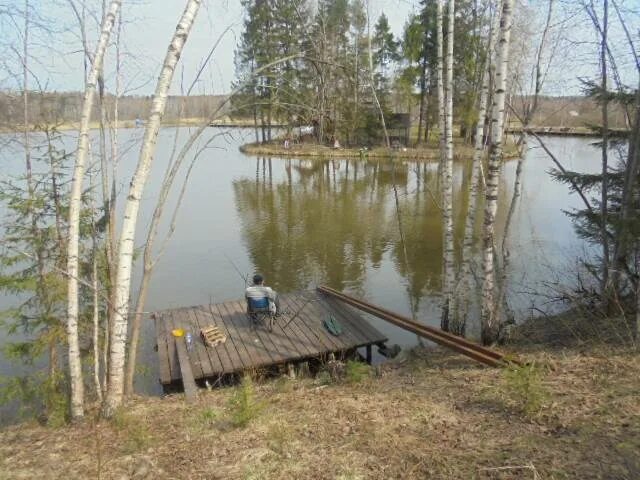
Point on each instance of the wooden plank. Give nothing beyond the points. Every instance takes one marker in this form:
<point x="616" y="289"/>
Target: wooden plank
<point x="242" y="354"/>
<point x="281" y="342"/>
<point x="262" y="332"/>
<point x="372" y="334"/>
<point x="248" y="337"/>
<point x="215" y="354"/>
<point x="227" y="351"/>
<point x="171" y="347"/>
<point x="295" y="329"/>
<point x="181" y="320"/>
<point x="163" y="356"/>
<point x="312" y="319"/>
<point x="346" y="318"/>
<point x="199" y="346"/>
<point x="188" y="382"/>
<point x="349" y="336"/>
<point x="355" y="323"/>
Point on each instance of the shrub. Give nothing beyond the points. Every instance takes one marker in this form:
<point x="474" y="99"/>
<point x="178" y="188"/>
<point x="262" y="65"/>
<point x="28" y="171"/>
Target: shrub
<point x="356" y="372"/>
<point x="524" y="385"/>
<point x="243" y="406"/>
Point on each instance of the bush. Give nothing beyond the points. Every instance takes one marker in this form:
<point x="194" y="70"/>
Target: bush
<point x="243" y="406"/>
<point x="524" y="385"/>
<point x="356" y="372"/>
<point x="135" y="430"/>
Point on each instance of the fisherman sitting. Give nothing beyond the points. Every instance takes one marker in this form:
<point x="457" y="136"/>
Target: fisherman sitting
<point x="258" y="293"/>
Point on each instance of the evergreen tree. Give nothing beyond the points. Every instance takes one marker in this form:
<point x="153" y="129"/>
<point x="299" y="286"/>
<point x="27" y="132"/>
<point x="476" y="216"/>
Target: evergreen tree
<point x="31" y="262"/>
<point x="385" y="53"/>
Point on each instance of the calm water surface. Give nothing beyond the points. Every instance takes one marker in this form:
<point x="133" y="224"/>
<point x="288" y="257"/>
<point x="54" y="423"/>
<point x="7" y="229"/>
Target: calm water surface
<point x="369" y="227"/>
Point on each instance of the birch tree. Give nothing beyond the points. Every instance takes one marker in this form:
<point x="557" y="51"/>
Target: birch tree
<point x="75" y="368"/>
<point x="489" y="322"/>
<point x="118" y="334"/>
<point x="439" y="77"/>
<point x="447" y="176"/>
<point x="464" y="283"/>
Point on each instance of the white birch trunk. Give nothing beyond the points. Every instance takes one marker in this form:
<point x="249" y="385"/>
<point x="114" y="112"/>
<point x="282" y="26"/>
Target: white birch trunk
<point x="96" y="327"/>
<point x="488" y="317"/>
<point x="75" y="204"/>
<point x="439" y="78"/>
<point x="118" y="336"/>
<point x="448" y="274"/>
<point x="465" y="280"/>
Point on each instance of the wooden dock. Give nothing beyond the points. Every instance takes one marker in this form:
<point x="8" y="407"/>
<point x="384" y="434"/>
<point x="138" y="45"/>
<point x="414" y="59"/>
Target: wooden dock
<point x="298" y="335"/>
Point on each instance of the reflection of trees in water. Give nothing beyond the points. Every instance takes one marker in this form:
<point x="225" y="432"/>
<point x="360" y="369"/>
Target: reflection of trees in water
<point x="327" y="221"/>
<point x="318" y="224"/>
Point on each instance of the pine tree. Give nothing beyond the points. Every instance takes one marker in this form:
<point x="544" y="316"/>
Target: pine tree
<point x="385" y="53"/>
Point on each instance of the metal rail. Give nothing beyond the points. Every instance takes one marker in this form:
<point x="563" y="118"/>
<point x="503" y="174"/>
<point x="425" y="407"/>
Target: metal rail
<point x="458" y="344"/>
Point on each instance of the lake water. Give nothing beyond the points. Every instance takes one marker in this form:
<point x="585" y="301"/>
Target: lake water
<point x="368" y="227"/>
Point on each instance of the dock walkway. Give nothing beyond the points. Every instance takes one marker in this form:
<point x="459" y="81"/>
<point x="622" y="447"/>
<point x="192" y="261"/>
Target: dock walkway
<point x="298" y="335"/>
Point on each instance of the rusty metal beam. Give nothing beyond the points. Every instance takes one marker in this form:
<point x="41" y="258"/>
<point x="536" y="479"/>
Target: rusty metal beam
<point x="472" y="350"/>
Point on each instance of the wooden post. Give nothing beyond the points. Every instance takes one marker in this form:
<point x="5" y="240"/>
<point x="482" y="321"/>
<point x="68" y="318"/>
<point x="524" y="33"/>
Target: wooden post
<point x="369" y="354"/>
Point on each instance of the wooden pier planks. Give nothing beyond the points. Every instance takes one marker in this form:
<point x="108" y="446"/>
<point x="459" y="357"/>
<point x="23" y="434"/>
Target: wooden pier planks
<point x="297" y="334"/>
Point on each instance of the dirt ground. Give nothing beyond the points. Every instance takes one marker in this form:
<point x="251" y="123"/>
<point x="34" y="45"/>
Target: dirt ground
<point x="572" y="414"/>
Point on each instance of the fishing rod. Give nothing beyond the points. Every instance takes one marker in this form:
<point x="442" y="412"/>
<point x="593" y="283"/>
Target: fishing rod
<point x="297" y="312"/>
<point x="245" y="278"/>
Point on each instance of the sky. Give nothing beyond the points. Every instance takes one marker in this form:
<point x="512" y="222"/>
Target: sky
<point x="147" y="29"/>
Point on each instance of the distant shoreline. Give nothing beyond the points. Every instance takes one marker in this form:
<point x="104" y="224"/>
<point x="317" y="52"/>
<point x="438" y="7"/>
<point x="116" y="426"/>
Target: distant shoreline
<point x="184" y="122"/>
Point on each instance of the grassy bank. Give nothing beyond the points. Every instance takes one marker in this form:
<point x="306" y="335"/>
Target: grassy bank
<point x="573" y="414"/>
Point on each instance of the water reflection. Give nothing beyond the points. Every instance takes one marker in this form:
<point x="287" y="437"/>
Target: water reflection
<point x="329" y="221"/>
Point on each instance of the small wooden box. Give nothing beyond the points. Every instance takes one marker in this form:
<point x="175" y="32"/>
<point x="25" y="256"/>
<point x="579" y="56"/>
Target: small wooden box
<point x="212" y="336"/>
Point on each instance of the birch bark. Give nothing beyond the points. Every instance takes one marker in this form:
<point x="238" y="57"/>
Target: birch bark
<point x="447" y="176"/>
<point x="604" y="201"/>
<point x="465" y="280"/>
<point x="75" y="203"/>
<point x="488" y="318"/>
<point x="118" y="335"/>
<point x="439" y="77"/>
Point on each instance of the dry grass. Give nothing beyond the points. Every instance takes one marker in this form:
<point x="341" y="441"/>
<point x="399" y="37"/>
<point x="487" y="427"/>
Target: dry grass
<point x="435" y="415"/>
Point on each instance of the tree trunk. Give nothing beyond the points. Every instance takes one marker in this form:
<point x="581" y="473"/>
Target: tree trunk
<point x="501" y="304"/>
<point x="118" y="337"/>
<point x="149" y="262"/>
<point x="96" y="326"/>
<point x="439" y="79"/>
<point x="465" y="279"/>
<point x="488" y="318"/>
<point x="75" y="205"/>
<point x="604" y="201"/>
<point x="423" y="92"/>
<point x="448" y="273"/>
<point x="624" y="237"/>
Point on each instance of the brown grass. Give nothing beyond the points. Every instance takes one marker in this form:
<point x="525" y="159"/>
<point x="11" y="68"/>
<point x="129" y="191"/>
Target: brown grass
<point x="435" y="415"/>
